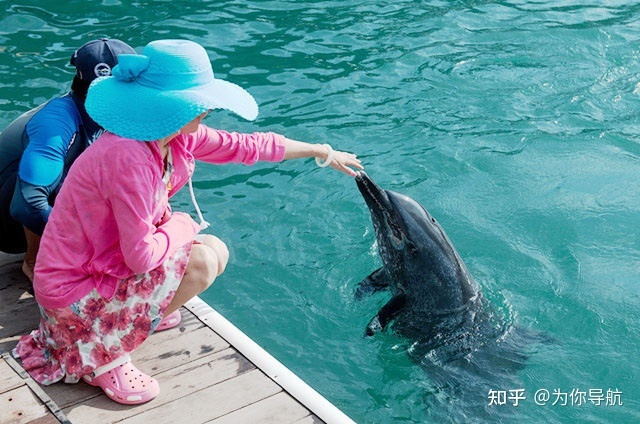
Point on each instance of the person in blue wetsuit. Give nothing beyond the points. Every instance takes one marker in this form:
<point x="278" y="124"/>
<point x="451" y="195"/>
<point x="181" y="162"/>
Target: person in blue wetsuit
<point x="38" y="148"/>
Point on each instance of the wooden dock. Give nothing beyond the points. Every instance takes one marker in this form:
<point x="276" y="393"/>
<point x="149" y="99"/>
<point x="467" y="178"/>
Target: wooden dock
<point x="208" y="371"/>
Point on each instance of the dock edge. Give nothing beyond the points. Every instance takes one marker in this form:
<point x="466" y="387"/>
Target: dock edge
<point x="273" y="368"/>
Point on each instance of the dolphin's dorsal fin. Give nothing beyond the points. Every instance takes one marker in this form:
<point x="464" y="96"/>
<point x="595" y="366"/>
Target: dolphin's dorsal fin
<point x="376" y="281"/>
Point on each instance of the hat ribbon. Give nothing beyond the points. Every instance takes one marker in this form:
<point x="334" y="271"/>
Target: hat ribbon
<point x="130" y="66"/>
<point x="135" y="67"/>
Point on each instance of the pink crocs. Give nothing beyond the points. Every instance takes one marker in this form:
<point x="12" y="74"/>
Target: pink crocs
<point x="126" y="384"/>
<point x="169" y="321"/>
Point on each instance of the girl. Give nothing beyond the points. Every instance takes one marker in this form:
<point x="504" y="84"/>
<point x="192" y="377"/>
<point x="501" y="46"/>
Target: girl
<point x="114" y="259"/>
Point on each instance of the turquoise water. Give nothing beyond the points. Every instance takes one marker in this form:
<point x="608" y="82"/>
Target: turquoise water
<point x="514" y="122"/>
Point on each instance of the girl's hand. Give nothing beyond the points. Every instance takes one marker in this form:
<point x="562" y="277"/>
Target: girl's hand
<point x="341" y="161"/>
<point x="324" y="154"/>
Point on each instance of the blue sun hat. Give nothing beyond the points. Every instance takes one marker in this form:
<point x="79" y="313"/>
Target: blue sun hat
<point x="154" y="94"/>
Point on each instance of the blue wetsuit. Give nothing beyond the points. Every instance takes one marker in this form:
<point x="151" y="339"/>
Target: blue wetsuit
<point x="36" y="152"/>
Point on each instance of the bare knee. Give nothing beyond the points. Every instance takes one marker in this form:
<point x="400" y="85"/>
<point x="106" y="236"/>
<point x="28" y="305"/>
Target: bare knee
<point x="208" y="259"/>
<point x="219" y="248"/>
<point x="202" y="267"/>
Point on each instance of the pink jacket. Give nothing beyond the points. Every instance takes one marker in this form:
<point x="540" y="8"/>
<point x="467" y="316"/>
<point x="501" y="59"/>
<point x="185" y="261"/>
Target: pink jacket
<point x="112" y="217"/>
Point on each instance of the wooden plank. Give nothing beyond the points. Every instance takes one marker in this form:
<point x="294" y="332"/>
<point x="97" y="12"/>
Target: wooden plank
<point x="8" y="378"/>
<point x="20" y="405"/>
<point x="8" y="343"/>
<point x="36" y="389"/>
<point x="161" y="352"/>
<point x="311" y="419"/>
<point x="278" y="409"/>
<point x="275" y="370"/>
<point x="11" y="259"/>
<point x="18" y="310"/>
<point x="64" y="395"/>
<point x="176" y="383"/>
<point x="213" y="401"/>
<point x="47" y="419"/>
<point x="171" y="348"/>
<point x="199" y="307"/>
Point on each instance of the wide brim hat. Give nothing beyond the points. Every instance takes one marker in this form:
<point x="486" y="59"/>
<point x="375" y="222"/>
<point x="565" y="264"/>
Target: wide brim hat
<point x="154" y="94"/>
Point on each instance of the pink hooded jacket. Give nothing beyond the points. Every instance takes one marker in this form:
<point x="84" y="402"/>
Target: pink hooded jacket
<point x="112" y="217"/>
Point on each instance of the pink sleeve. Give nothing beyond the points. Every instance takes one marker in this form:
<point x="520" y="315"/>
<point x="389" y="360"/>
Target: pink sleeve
<point x="216" y="146"/>
<point x="145" y="246"/>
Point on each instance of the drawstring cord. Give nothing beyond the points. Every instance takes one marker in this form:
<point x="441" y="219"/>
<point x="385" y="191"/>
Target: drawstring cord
<point x="166" y="178"/>
<point x="203" y="224"/>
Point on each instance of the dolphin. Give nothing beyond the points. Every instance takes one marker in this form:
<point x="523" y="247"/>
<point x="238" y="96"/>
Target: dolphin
<point x="434" y="298"/>
<point x="465" y="344"/>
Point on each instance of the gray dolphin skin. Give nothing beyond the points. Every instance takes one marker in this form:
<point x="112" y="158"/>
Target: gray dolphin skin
<point x="434" y="298"/>
<point x="466" y="346"/>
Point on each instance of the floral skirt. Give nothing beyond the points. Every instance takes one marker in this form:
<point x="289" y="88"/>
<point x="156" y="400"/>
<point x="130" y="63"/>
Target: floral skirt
<point x="73" y="341"/>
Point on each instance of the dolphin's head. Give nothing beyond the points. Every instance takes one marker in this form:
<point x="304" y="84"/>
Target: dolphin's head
<point x="399" y="221"/>
<point x="408" y="236"/>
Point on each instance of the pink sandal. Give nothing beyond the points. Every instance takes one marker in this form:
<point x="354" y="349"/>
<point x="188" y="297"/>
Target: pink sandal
<point x="126" y="384"/>
<point x="169" y="321"/>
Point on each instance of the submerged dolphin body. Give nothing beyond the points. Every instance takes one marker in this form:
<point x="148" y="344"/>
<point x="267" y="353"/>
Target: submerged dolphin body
<point x="435" y="301"/>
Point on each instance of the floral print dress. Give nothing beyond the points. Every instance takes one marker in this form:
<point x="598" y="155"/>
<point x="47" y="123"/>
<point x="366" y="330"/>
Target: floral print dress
<point x="92" y="332"/>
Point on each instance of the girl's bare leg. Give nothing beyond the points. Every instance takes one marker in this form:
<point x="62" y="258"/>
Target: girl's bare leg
<point x="33" y="244"/>
<point x="208" y="259"/>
